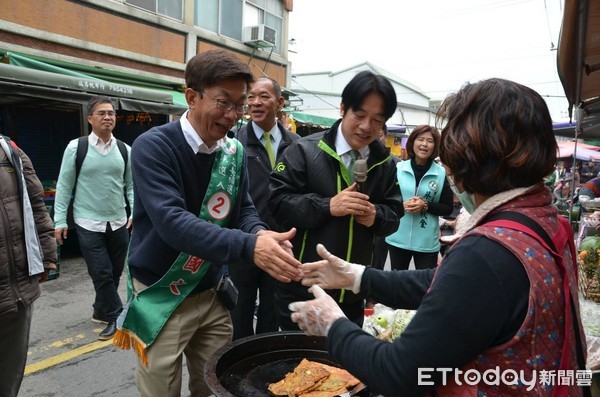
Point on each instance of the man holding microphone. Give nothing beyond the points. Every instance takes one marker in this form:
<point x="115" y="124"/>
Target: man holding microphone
<point x="314" y="188"/>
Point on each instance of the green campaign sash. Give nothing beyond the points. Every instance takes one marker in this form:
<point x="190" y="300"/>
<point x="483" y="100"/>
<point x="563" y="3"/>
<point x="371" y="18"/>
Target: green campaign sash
<point x="147" y="311"/>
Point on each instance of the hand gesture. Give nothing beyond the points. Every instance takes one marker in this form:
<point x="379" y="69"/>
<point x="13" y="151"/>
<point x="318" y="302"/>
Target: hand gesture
<point x="285" y="244"/>
<point x="273" y="254"/>
<point x="349" y="202"/>
<point x="316" y="316"/>
<point x="368" y="219"/>
<point x="414" y="205"/>
<point x="332" y="272"/>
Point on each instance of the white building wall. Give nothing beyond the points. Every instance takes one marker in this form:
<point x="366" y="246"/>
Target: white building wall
<point x="321" y="95"/>
<point x="313" y="82"/>
<point x="323" y="105"/>
<point x="413" y="117"/>
<point x="342" y="79"/>
<point x="404" y="95"/>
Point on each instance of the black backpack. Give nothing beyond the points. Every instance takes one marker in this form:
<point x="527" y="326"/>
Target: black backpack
<point x="82" y="148"/>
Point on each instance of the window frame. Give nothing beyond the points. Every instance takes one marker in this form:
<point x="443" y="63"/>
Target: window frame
<point x="263" y="11"/>
<point x="155" y="10"/>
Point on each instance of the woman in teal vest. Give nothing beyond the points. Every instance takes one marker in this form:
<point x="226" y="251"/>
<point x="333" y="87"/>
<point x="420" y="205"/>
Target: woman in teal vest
<point x="427" y="196"/>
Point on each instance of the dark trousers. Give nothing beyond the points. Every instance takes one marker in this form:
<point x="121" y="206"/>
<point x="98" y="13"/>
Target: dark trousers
<point x="249" y="280"/>
<point x="380" y="252"/>
<point x="14" y="342"/>
<point x="104" y="255"/>
<point x="355" y="311"/>
<point x="400" y="259"/>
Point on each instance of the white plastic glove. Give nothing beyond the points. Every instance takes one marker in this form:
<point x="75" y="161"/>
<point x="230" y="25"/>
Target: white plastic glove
<point x="316" y="316"/>
<point x="332" y="272"/>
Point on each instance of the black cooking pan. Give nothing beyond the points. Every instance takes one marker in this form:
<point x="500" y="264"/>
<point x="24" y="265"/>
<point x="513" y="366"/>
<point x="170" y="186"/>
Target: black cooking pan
<point x="246" y="367"/>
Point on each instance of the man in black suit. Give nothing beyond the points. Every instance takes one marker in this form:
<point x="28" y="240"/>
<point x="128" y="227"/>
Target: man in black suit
<point x="264" y="139"/>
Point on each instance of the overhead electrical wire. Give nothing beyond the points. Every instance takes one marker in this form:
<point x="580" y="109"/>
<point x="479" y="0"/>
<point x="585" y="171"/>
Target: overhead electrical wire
<point x="552" y="47"/>
<point x="313" y="94"/>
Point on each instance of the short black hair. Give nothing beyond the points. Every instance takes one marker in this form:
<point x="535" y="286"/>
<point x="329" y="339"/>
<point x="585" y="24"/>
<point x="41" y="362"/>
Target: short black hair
<point x="365" y="83"/>
<point x="97" y="100"/>
<point x="276" y="88"/>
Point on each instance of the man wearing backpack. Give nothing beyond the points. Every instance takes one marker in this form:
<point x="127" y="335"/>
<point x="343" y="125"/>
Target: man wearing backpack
<point x="99" y="207"/>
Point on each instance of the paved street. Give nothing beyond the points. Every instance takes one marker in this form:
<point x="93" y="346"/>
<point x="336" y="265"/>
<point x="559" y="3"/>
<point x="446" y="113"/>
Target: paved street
<point x="65" y="357"/>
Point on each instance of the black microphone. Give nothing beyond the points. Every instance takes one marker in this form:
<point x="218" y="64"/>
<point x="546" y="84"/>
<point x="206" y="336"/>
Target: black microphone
<point x="360" y="174"/>
<point x="232" y="133"/>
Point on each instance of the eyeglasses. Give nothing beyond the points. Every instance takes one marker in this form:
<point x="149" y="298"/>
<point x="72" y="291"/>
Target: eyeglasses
<point x="103" y="113"/>
<point x="225" y="105"/>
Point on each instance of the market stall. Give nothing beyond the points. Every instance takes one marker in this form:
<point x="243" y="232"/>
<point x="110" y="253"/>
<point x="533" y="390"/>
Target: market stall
<point x="578" y="150"/>
<point x="578" y="61"/>
<point x="307" y="124"/>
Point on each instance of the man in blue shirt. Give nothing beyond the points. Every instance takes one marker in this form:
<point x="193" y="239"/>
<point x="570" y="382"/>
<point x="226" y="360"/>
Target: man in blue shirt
<point x="98" y="209"/>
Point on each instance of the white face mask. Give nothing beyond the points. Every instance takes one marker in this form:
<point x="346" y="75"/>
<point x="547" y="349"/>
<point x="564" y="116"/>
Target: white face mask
<point x="466" y="199"/>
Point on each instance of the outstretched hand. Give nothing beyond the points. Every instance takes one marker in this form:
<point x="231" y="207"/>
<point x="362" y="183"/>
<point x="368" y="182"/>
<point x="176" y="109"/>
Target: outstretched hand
<point x="332" y="272"/>
<point x="316" y="316"/>
<point x="273" y="254"/>
<point x="284" y="243"/>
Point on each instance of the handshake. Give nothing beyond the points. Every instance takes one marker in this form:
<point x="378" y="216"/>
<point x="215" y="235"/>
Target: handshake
<point x="332" y="272"/>
<point x="316" y="316"/>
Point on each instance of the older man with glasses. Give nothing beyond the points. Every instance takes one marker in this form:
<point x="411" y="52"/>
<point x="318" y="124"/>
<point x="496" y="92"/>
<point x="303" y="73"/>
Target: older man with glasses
<point x="194" y="216"/>
<point x="99" y="207"/>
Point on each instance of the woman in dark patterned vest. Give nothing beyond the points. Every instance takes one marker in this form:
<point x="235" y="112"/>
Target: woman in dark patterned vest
<point x="500" y="315"/>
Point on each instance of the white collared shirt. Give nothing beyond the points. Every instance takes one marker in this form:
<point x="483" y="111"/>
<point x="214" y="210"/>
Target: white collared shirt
<point x="99" y="144"/>
<point x="343" y="149"/>
<point x="193" y="138"/>
<point x="275" y="135"/>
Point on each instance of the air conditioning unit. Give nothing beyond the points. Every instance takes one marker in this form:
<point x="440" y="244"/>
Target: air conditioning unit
<point x="259" y="36"/>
